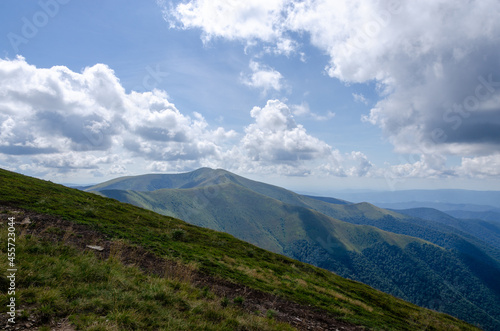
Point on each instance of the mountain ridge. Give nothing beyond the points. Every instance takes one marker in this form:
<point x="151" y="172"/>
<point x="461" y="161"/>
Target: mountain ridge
<point x="232" y="194"/>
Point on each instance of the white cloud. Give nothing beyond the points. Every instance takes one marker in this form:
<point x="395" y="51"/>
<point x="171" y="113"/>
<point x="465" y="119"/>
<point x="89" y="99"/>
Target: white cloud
<point x="63" y="120"/>
<point x="263" y="77"/>
<point x="70" y="161"/>
<point x="275" y="137"/>
<point x="426" y="166"/>
<point x="55" y="110"/>
<point x="283" y="46"/>
<point x="434" y="61"/>
<point x="427" y="56"/>
<point x="483" y="166"/>
<point x="358" y="97"/>
<point x="276" y="144"/>
<point x="434" y="166"/>
<point x="354" y="164"/>
<point x="232" y="19"/>
<point x="56" y="122"/>
<point x="304" y="110"/>
<point x="361" y="166"/>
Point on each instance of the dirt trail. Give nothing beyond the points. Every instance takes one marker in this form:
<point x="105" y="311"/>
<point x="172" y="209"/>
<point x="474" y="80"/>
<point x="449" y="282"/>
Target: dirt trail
<point x="302" y="317"/>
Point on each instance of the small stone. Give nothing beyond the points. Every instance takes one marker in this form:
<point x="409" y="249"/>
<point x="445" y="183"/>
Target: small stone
<point x="97" y="248"/>
<point x="26" y="221"/>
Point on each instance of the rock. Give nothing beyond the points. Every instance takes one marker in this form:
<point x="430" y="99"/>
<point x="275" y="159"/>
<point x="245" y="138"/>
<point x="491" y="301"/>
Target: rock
<point x="25" y="221"/>
<point x="97" y="248"/>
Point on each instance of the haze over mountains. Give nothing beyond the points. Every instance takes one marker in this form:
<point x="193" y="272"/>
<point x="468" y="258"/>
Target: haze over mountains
<point x="423" y="256"/>
<point x="444" y="200"/>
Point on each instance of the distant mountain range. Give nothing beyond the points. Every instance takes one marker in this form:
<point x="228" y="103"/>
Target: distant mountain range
<point x="488" y="231"/>
<point x="492" y="216"/>
<point x="427" y="258"/>
<point x="444" y="200"/>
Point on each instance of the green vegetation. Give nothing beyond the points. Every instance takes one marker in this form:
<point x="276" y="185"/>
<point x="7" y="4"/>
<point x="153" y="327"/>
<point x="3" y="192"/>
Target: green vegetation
<point x="256" y="218"/>
<point x="457" y="275"/>
<point x="488" y="231"/>
<point x="56" y="280"/>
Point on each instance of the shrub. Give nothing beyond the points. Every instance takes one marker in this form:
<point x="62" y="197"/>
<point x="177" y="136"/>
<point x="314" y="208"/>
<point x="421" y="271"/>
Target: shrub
<point x="178" y="235"/>
<point x="238" y="300"/>
<point x="270" y="313"/>
<point x="224" y="302"/>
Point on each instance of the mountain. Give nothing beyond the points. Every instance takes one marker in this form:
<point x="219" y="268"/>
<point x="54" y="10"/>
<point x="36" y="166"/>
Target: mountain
<point x="90" y="262"/>
<point x="489" y="199"/>
<point x="487" y="231"/>
<point x="490" y="215"/>
<point x="280" y="224"/>
<point x="442" y="206"/>
<point x="426" y="262"/>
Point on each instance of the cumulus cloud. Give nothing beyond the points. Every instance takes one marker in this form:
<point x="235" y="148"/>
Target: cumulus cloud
<point x="276" y="143"/>
<point x="435" y="62"/>
<point x="483" y="166"/>
<point x="55" y="110"/>
<point x="354" y="164"/>
<point x="56" y="121"/>
<point x="276" y="137"/>
<point x="233" y="19"/>
<point x="421" y="166"/>
<point x="263" y="77"/>
<point x="66" y="162"/>
<point x="60" y="119"/>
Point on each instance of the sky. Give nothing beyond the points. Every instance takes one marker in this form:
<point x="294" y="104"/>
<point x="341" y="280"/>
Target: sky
<point x="312" y="95"/>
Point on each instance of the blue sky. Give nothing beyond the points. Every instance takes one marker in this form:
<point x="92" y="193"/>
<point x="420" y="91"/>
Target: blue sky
<point x="315" y="95"/>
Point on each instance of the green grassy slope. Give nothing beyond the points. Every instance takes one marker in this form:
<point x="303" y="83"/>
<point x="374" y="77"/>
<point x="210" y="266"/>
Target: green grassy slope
<point x="200" y="177"/>
<point x="401" y="265"/>
<point x="50" y="282"/>
<point x="57" y="282"/>
<point x="206" y="177"/>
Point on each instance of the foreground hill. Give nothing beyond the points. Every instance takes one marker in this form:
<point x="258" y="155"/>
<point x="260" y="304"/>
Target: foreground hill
<point x="452" y="272"/>
<point x="157" y="272"/>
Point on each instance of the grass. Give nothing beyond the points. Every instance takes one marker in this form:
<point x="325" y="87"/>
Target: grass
<point x="69" y="283"/>
<point x="96" y="294"/>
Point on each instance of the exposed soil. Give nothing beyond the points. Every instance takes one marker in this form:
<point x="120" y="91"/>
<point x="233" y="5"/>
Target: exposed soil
<point x="302" y="317"/>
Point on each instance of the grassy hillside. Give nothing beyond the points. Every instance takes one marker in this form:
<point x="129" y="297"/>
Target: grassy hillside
<point x="60" y="282"/>
<point x="57" y="282"/>
<point x="284" y="222"/>
<point x="152" y="182"/>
